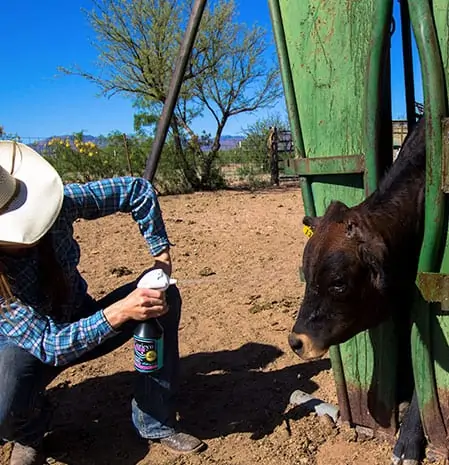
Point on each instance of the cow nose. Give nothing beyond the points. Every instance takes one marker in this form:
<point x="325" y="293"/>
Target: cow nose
<point x="304" y="346"/>
<point x="295" y="343"/>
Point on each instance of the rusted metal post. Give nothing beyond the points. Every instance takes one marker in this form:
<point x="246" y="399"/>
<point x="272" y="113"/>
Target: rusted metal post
<point x="175" y="86"/>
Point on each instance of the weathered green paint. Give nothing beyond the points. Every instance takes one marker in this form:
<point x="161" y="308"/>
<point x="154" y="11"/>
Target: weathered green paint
<point x="330" y="52"/>
<point x="431" y="330"/>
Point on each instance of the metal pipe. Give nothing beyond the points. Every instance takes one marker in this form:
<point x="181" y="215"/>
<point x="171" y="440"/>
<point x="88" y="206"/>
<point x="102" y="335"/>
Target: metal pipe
<point x="290" y="97"/>
<point x="408" y="64"/>
<point x="286" y="73"/>
<point x="381" y="19"/>
<point x="435" y="110"/>
<point x="175" y="86"/>
<point x="340" y="382"/>
<point x="309" y="403"/>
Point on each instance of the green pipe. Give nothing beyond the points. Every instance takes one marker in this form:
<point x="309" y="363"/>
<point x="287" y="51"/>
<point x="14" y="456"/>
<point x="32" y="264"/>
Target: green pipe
<point x="381" y="19"/>
<point x="286" y="73"/>
<point x="307" y="197"/>
<point x="290" y="97"/>
<point x="435" y="110"/>
<point x="340" y="382"/>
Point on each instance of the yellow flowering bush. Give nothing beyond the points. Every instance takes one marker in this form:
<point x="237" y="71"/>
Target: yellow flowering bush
<point x="75" y="158"/>
<point x="80" y="160"/>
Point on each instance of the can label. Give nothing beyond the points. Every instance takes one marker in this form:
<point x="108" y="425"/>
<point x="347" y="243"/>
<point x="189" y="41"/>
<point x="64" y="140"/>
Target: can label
<point x="148" y="354"/>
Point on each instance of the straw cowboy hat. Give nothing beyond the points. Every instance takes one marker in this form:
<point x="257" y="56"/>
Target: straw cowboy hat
<point x="31" y="194"/>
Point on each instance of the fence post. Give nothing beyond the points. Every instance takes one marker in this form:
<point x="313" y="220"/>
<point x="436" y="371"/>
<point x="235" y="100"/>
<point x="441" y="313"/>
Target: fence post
<point x="128" y="157"/>
<point x="274" y="155"/>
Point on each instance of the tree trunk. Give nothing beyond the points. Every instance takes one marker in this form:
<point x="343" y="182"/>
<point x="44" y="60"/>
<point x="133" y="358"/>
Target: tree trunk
<point x="209" y="159"/>
<point x="188" y="170"/>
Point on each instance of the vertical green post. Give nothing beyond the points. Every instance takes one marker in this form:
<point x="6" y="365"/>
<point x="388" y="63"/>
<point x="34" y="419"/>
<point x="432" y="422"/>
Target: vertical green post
<point x="429" y="332"/>
<point x="292" y="107"/>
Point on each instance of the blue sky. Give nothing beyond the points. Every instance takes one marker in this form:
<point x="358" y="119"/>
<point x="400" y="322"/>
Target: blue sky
<point x="39" y="36"/>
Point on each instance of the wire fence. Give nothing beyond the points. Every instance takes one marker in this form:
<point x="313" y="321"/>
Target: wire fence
<point x="267" y="163"/>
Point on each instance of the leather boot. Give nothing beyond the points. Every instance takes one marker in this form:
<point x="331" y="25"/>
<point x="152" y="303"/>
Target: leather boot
<point x="183" y="443"/>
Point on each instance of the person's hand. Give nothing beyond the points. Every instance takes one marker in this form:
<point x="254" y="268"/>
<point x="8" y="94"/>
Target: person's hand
<point x="139" y="305"/>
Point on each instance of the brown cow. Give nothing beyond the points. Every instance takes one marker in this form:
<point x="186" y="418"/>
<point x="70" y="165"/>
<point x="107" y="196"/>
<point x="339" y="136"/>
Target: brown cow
<point x="360" y="267"/>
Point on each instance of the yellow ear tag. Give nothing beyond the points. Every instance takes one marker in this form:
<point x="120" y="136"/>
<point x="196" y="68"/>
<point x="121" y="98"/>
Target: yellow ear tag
<point x="308" y="231"/>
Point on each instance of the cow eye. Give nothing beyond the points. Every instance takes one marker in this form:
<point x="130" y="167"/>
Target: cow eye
<point x="338" y="287"/>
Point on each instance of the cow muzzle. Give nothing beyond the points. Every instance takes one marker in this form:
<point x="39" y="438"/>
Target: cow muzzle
<point x="304" y="347"/>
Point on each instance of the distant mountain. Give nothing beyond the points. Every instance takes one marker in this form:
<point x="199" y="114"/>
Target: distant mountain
<point x="40" y="144"/>
<point x="227" y="142"/>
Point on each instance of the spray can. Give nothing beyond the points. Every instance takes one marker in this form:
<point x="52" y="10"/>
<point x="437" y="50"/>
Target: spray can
<point x="149" y="334"/>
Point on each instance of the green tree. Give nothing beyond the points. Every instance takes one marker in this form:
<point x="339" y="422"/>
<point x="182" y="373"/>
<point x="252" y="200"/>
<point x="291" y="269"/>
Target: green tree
<point x="138" y="42"/>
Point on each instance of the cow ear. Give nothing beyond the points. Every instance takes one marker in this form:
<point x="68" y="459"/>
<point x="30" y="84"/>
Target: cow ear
<point x="311" y="221"/>
<point x="336" y="211"/>
<point x="372" y="251"/>
<point x="374" y="254"/>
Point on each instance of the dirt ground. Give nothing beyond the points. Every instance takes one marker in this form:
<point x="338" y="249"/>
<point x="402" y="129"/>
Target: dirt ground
<point x="236" y="256"/>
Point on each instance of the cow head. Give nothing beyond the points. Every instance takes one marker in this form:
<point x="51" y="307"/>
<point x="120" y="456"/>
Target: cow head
<point x="344" y="266"/>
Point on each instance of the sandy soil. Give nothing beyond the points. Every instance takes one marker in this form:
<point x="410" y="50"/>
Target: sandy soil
<point x="236" y="256"/>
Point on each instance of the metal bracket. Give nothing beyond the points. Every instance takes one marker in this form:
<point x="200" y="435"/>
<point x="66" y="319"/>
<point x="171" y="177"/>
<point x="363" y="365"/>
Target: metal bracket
<point x="434" y="287"/>
<point x="345" y="164"/>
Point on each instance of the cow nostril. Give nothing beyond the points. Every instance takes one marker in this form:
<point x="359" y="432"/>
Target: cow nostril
<point x="295" y="342"/>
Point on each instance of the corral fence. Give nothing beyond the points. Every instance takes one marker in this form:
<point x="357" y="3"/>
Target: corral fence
<point x="264" y="161"/>
<point x="273" y="162"/>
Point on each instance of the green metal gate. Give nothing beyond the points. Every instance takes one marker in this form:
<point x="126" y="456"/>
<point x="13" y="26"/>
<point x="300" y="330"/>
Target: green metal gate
<point x="430" y="333"/>
<point x="334" y="58"/>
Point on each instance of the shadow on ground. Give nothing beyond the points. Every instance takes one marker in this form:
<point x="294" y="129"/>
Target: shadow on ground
<point x="221" y="393"/>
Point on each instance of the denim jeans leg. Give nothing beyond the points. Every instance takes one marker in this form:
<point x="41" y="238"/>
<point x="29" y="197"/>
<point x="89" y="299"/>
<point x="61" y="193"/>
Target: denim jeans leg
<point x="24" y="416"/>
<point x="154" y="405"/>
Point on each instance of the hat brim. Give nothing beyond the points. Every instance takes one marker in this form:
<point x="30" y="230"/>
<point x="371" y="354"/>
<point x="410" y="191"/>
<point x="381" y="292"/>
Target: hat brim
<point x="39" y="195"/>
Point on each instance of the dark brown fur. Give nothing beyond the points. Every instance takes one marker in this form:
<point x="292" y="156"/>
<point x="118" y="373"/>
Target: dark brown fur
<point x="360" y="267"/>
<point x="361" y="262"/>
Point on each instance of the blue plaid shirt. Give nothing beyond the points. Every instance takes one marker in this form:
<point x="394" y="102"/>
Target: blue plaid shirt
<point x="26" y="322"/>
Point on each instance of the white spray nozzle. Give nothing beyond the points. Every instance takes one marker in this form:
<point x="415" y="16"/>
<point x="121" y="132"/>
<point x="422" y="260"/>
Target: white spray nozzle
<point x="155" y="279"/>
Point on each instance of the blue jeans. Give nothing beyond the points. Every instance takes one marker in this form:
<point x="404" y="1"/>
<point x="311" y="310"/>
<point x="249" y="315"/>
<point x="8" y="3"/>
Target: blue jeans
<point x="24" y="415"/>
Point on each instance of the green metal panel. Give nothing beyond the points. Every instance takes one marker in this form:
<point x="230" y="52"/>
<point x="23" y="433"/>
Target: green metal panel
<point x="330" y="53"/>
<point x="430" y="335"/>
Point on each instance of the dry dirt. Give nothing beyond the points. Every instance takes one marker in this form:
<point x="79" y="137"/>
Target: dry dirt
<point x="236" y="257"/>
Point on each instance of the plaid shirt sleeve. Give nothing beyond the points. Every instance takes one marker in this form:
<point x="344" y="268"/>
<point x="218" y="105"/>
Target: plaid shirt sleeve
<point x="126" y="194"/>
<point x="52" y="343"/>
